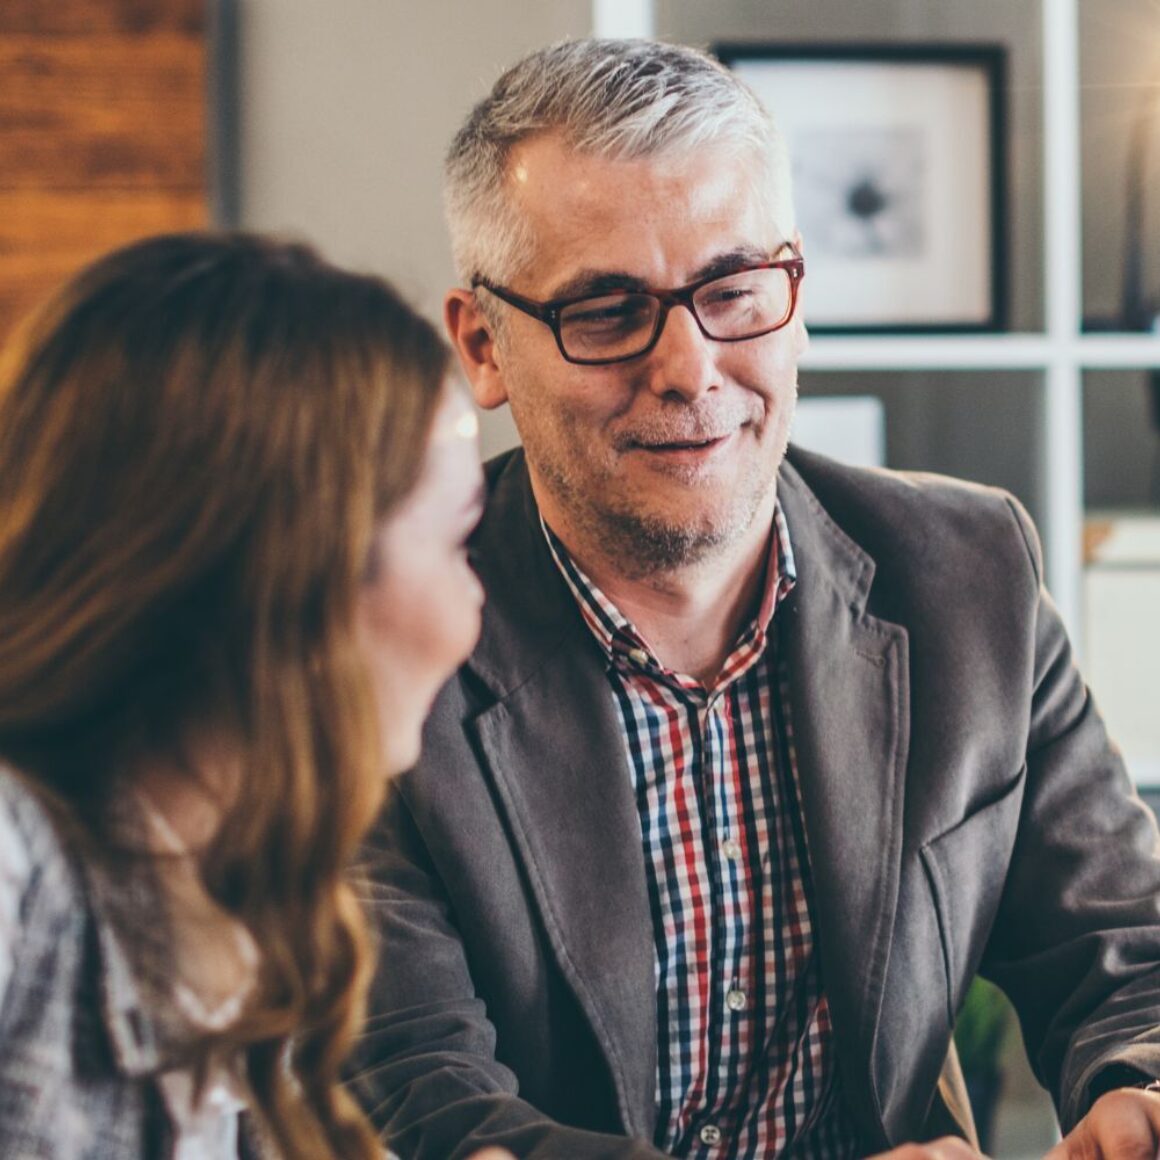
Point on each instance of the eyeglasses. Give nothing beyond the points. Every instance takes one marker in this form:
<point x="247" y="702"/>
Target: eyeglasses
<point x="596" y="329"/>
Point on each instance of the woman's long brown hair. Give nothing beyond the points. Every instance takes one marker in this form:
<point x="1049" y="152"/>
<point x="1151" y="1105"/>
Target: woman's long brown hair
<point x="197" y="436"/>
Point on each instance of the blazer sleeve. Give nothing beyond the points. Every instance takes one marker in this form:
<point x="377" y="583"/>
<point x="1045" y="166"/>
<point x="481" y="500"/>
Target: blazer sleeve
<point x="425" y="1066"/>
<point x="1076" y="943"/>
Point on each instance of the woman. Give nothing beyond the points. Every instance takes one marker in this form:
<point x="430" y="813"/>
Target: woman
<point x="235" y="491"/>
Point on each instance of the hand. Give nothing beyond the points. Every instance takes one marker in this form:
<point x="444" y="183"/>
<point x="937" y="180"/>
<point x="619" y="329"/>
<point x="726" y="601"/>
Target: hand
<point x="491" y="1154"/>
<point x="945" y="1148"/>
<point x="1122" y="1125"/>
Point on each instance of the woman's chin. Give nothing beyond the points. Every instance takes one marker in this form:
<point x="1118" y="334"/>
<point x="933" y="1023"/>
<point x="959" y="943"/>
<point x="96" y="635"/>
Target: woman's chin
<point x="402" y="752"/>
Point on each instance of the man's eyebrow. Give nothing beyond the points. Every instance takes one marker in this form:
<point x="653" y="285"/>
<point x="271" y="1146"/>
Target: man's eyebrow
<point x="587" y="282"/>
<point x="591" y="282"/>
<point x="736" y="259"/>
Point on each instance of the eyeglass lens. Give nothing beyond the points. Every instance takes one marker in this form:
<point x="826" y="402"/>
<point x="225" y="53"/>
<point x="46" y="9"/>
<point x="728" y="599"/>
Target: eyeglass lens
<point x="620" y="325"/>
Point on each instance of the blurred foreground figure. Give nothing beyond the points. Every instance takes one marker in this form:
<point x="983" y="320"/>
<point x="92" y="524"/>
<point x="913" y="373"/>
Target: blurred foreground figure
<point x="234" y="492"/>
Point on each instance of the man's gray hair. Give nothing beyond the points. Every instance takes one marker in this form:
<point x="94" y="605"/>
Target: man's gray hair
<point x="617" y="99"/>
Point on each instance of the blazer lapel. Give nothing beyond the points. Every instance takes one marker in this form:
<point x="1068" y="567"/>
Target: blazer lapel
<point x="848" y="674"/>
<point x="553" y="746"/>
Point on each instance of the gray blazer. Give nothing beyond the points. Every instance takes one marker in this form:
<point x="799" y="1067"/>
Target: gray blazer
<point x="964" y="812"/>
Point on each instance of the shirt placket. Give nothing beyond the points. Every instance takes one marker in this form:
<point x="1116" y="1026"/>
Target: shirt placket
<point x="718" y="841"/>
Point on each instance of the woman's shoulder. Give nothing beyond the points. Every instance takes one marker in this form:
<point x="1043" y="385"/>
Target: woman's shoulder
<point x="43" y="909"/>
<point x="22" y="821"/>
<point x="23" y="814"/>
<point x="31" y="850"/>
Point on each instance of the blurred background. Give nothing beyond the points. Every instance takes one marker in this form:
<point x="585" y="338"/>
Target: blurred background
<point x="328" y="119"/>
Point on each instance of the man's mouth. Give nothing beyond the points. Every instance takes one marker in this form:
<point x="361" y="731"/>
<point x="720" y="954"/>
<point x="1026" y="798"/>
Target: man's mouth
<point x="685" y="444"/>
<point x="697" y="448"/>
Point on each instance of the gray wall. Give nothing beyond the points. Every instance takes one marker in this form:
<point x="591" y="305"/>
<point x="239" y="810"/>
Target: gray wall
<point x="346" y="108"/>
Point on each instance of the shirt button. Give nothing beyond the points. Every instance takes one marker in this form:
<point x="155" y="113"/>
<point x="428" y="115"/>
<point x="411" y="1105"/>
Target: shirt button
<point x="638" y="656"/>
<point x="711" y="1135"/>
<point x="731" y="848"/>
<point x="735" y="1000"/>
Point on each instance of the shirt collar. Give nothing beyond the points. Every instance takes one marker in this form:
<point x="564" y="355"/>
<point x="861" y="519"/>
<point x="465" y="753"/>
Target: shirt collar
<point x="625" y="647"/>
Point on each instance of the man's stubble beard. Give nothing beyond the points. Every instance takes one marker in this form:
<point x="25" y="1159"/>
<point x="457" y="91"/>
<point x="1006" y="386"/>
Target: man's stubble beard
<point x="641" y="544"/>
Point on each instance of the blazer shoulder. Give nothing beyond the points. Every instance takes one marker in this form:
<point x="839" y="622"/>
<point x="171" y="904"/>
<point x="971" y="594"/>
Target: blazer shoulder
<point x="908" y="519"/>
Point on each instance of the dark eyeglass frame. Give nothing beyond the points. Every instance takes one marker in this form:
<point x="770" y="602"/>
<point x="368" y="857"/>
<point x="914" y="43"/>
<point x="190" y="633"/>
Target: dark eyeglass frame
<point x="549" y="312"/>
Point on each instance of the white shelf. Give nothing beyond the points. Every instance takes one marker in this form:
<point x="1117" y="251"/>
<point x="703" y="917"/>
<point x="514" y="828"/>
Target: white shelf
<point x="980" y="352"/>
<point x="1111" y="351"/>
<point x="949" y="352"/>
<point x="623" y="18"/>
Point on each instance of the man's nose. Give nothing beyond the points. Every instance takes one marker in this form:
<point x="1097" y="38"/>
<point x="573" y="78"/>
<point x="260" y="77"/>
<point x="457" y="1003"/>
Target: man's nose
<point x="683" y="360"/>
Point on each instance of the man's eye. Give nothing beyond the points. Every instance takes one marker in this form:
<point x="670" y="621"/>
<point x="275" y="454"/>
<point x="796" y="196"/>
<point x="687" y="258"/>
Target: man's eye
<point x="748" y="293"/>
<point x="722" y="295"/>
<point x="609" y="314"/>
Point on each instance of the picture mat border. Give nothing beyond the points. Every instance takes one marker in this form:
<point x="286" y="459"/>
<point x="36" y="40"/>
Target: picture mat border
<point x="986" y="250"/>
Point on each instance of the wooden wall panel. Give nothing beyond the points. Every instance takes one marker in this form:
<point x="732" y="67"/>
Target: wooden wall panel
<point x="115" y="111"/>
<point x="103" y="133"/>
<point x="86" y="16"/>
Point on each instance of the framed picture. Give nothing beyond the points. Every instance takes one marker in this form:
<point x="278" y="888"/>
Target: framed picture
<point x="897" y="155"/>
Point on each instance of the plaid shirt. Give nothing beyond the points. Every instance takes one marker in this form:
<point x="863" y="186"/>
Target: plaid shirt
<point x="745" y="1055"/>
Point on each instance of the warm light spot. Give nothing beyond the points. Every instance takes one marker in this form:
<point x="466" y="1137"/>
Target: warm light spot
<point x="467" y="426"/>
<point x="456" y="419"/>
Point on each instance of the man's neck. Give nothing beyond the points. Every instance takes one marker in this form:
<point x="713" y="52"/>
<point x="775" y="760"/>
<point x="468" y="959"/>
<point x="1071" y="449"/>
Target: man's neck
<point x="690" y="615"/>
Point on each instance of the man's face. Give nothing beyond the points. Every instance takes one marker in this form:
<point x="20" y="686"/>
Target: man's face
<point x="656" y="461"/>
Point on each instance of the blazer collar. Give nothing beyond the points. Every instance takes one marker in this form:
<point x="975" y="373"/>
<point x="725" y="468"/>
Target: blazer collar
<point x="552" y="744"/>
<point x="850" y="708"/>
<point x="529" y="611"/>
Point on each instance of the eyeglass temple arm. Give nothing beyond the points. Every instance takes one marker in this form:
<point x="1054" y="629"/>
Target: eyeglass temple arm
<point x="543" y="313"/>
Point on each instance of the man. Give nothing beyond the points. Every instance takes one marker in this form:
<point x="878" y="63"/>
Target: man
<point x="760" y="758"/>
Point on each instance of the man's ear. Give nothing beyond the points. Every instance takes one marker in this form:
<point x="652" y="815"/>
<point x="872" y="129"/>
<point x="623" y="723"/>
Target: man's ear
<point x="801" y="335"/>
<point x="470" y="334"/>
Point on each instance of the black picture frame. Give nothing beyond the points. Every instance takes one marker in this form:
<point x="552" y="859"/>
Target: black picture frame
<point x="899" y="159"/>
